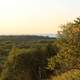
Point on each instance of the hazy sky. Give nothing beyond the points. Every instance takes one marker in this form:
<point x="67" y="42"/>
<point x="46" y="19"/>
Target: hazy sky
<point x="36" y="16"/>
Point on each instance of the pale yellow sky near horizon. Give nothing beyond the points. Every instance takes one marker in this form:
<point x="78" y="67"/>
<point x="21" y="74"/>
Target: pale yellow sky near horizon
<point x="35" y="16"/>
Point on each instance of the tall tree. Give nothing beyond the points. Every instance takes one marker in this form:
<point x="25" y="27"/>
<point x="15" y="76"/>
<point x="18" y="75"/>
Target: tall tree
<point x="69" y="43"/>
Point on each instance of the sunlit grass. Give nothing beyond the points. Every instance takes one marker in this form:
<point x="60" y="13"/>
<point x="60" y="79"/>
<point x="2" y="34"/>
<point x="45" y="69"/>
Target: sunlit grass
<point x="70" y="75"/>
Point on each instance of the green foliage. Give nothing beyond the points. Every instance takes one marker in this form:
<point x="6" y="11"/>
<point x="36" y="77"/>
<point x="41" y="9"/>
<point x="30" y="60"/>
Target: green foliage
<point x="52" y="49"/>
<point x="40" y="57"/>
<point x="68" y="57"/>
<point x="25" y="64"/>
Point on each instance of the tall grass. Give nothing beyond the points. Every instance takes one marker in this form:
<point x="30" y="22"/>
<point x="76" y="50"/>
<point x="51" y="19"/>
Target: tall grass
<point x="70" y="75"/>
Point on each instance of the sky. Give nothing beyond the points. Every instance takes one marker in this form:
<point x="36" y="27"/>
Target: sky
<point x="36" y="16"/>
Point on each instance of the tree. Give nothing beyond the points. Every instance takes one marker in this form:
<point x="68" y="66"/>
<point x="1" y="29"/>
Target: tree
<point x="69" y="43"/>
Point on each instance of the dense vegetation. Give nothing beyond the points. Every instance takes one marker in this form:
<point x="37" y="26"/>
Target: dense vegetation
<point x="42" y="58"/>
<point x="66" y="64"/>
<point x="24" y="56"/>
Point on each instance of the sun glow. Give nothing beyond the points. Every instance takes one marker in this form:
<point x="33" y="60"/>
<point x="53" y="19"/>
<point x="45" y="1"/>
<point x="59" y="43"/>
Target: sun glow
<point x="35" y="16"/>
